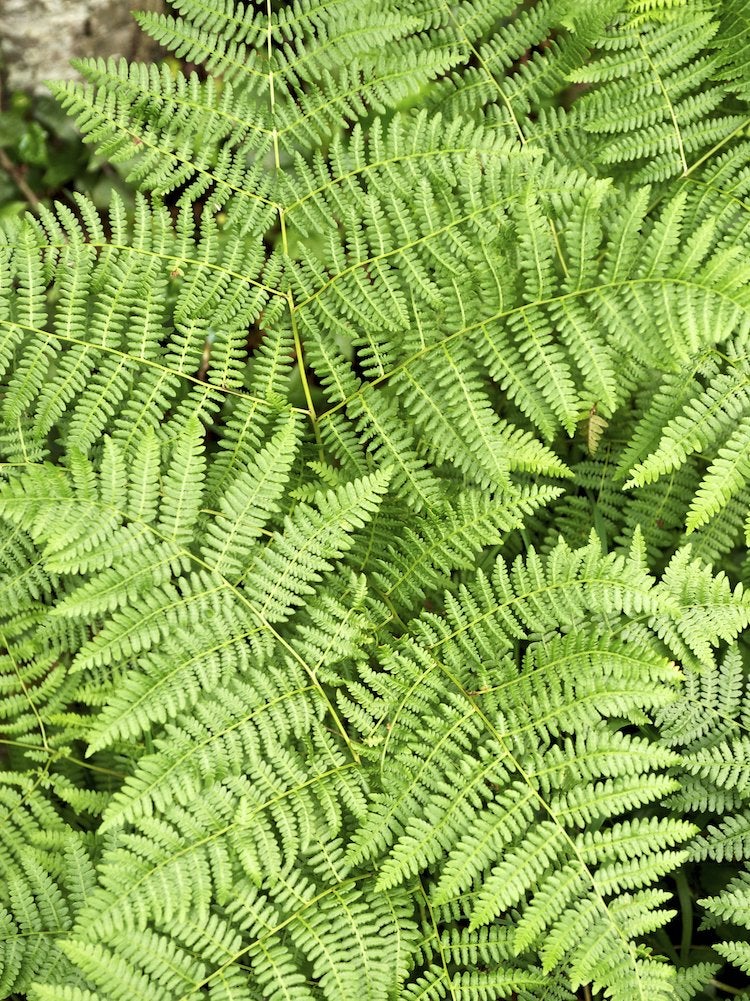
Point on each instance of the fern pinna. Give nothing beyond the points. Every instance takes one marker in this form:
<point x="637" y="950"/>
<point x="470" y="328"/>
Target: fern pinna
<point x="375" y="497"/>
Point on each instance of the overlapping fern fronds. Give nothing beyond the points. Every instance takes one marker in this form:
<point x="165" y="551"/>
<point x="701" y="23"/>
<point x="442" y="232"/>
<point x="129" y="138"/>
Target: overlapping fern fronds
<point x="315" y="683"/>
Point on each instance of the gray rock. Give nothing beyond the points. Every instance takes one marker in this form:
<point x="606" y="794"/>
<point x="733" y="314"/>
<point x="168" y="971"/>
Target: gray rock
<point x="38" y="38"/>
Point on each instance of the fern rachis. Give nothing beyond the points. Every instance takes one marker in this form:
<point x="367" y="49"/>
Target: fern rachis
<point x="375" y="495"/>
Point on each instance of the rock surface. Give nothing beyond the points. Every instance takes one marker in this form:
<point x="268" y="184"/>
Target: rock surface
<point x="38" y="38"/>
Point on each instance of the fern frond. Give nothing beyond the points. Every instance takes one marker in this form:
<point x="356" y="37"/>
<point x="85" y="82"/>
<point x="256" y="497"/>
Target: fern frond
<point x="249" y="504"/>
<point x="284" y="572"/>
<point x="668" y="69"/>
<point x="480" y="806"/>
<point x="373" y="484"/>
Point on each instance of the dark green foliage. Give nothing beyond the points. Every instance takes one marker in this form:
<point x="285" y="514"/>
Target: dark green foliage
<point x="42" y="157"/>
<point x="375" y="496"/>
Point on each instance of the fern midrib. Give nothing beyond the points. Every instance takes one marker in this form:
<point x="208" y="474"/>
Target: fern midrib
<point x="310" y="902"/>
<point x="257" y="613"/>
<point x="504" y="314"/>
<point x="149" y="363"/>
<point x="374" y="166"/>
<point x="129" y="810"/>
<point x="165" y="680"/>
<point x="218" y="834"/>
<point x="628" y="947"/>
<point x="494" y="82"/>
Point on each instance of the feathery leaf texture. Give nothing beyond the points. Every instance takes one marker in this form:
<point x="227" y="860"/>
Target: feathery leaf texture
<point x="375" y="486"/>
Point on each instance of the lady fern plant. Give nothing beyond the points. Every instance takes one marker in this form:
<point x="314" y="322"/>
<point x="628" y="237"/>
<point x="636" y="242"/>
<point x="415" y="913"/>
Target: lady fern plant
<point x="375" y="503"/>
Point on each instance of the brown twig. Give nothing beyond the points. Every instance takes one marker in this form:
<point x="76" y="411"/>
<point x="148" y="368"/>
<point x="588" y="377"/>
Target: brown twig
<point x="205" y="361"/>
<point x="16" y="175"/>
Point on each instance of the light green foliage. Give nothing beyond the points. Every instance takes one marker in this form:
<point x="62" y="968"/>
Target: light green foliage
<point x="374" y="500"/>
